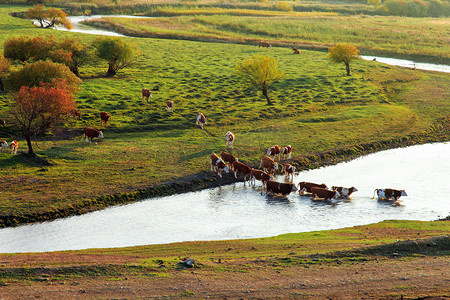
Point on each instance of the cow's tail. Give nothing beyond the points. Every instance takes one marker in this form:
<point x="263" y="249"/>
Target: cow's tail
<point x="375" y="192"/>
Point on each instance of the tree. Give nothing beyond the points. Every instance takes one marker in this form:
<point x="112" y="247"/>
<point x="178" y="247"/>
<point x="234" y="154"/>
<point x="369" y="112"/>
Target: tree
<point x="116" y="51"/>
<point x="4" y="70"/>
<point x="374" y="2"/>
<point x="18" y="48"/>
<point x="48" y="18"/>
<point x="37" y="109"/>
<point x="260" y="72"/>
<point x="343" y="53"/>
<point x="73" y="53"/>
<point x="33" y="74"/>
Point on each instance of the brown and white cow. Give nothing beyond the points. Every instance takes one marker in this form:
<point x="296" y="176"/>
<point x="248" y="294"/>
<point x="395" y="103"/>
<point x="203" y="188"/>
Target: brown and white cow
<point x="323" y="193"/>
<point x="305" y="186"/>
<point x="169" y="105"/>
<point x="201" y="120"/>
<point x="217" y="164"/>
<point x="146" y="94"/>
<point x="296" y="51"/>
<point x="104" y="118"/>
<point x="241" y="168"/>
<point x="228" y="158"/>
<point x="229" y="138"/>
<point x="276" y="187"/>
<point x="3" y="144"/>
<point x="14" y="146"/>
<point x="260" y="175"/>
<point x="92" y="134"/>
<point x="264" y="45"/>
<point x="286" y="152"/>
<point x="289" y="171"/>
<point x="343" y="191"/>
<point x="387" y="194"/>
<point x="268" y="165"/>
<point x="274" y="151"/>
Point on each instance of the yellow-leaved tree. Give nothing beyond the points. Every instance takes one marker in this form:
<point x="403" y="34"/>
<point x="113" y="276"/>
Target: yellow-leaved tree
<point x="343" y="53"/>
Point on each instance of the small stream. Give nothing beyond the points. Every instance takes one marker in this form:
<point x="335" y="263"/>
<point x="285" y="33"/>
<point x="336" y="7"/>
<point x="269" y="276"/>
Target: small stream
<point x="240" y="211"/>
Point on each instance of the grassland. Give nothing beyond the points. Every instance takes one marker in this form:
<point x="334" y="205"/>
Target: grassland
<point x="316" y="108"/>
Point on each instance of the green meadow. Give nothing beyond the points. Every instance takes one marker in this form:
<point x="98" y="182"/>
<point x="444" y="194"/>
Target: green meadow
<point x="316" y="108"/>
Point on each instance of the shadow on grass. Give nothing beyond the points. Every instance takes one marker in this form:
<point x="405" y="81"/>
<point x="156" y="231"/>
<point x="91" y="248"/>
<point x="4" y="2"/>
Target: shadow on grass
<point x="27" y="160"/>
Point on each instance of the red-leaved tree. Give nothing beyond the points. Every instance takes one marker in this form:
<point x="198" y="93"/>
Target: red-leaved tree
<point x="37" y="109"/>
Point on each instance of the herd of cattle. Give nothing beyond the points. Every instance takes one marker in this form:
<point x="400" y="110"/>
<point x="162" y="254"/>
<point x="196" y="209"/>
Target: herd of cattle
<point x="228" y="163"/>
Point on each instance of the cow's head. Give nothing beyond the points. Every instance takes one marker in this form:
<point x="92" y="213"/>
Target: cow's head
<point x="336" y="194"/>
<point x="353" y="189"/>
<point x="100" y="134"/>
<point x="403" y="193"/>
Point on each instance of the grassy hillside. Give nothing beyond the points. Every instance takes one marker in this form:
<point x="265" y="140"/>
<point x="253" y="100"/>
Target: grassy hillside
<point x="316" y="108"/>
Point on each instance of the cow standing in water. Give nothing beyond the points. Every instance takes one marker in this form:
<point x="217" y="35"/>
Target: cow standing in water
<point x="276" y="187"/>
<point x="344" y="192"/>
<point x="387" y="194"/>
<point x="305" y="186"/>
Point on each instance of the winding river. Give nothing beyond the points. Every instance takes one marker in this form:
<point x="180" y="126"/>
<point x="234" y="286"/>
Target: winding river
<point x="240" y="211"/>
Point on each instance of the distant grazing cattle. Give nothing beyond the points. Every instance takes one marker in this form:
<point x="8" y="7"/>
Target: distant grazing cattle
<point x="276" y="187"/>
<point x="268" y="165"/>
<point x="389" y="193"/>
<point x="264" y="45"/>
<point x="217" y="164"/>
<point x="92" y="134"/>
<point x="2" y="122"/>
<point x="3" y="144"/>
<point x="296" y="51"/>
<point x="228" y="158"/>
<point x="146" y="94"/>
<point x="274" y="151"/>
<point x="104" y="118"/>
<point x="169" y="105"/>
<point x="201" y="120"/>
<point x="289" y="171"/>
<point x="14" y="146"/>
<point x="229" y="138"/>
<point x="241" y="168"/>
<point x="286" y="152"/>
<point x="322" y="193"/>
<point x="306" y="186"/>
<point x="260" y="175"/>
<point x="344" y="192"/>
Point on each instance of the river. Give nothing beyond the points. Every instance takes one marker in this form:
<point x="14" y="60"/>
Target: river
<point x="240" y="211"/>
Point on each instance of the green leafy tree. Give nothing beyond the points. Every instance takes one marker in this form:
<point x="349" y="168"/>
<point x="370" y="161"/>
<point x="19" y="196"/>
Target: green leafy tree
<point x="18" y="48"/>
<point x="48" y="18"/>
<point x="72" y="53"/>
<point x="4" y="71"/>
<point x="117" y="52"/>
<point x="260" y="72"/>
<point x="343" y="53"/>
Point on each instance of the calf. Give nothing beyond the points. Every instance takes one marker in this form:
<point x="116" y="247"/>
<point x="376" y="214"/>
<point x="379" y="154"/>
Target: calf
<point x="289" y="171"/>
<point x="306" y="186"/>
<point x="14" y="146"/>
<point x="3" y="144"/>
<point x="268" y="164"/>
<point x="276" y="187"/>
<point x="286" y="152"/>
<point x="344" y="192"/>
<point x="260" y="175"/>
<point x="229" y="138"/>
<point x="217" y="164"/>
<point x="228" y="158"/>
<point x="241" y="168"/>
<point x="389" y="193"/>
<point x="92" y="134"/>
<point x="264" y="44"/>
<point x="201" y="120"/>
<point x="146" y="94"/>
<point x="169" y="105"/>
<point x="323" y="193"/>
<point x="274" y="151"/>
<point x="104" y="118"/>
<point x="296" y="51"/>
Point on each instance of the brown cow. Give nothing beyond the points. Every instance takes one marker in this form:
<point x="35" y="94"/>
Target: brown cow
<point x="146" y="94"/>
<point x="268" y="165"/>
<point x="296" y="51"/>
<point x="229" y="138"/>
<point x="228" y="158"/>
<point x="322" y="193"/>
<point x="201" y="120"/>
<point x="104" y="118"/>
<point x="306" y="186"/>
<point x="289" y="171"/>
<point x="241" y="168"/>
<point x="286" y="152"/>
<point x="276" y="187"/>
<point x="264" y="44"/>
<point x="274" y="151"/>
<point x="260" y="175"/>
<point x="217" y="165"/>
<point x="169" y="105"/>
<point x="92" y="134"/>
<point x="14" y="146"/>
<point x="390" y="193"/>
<point x="343" y="191"/>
